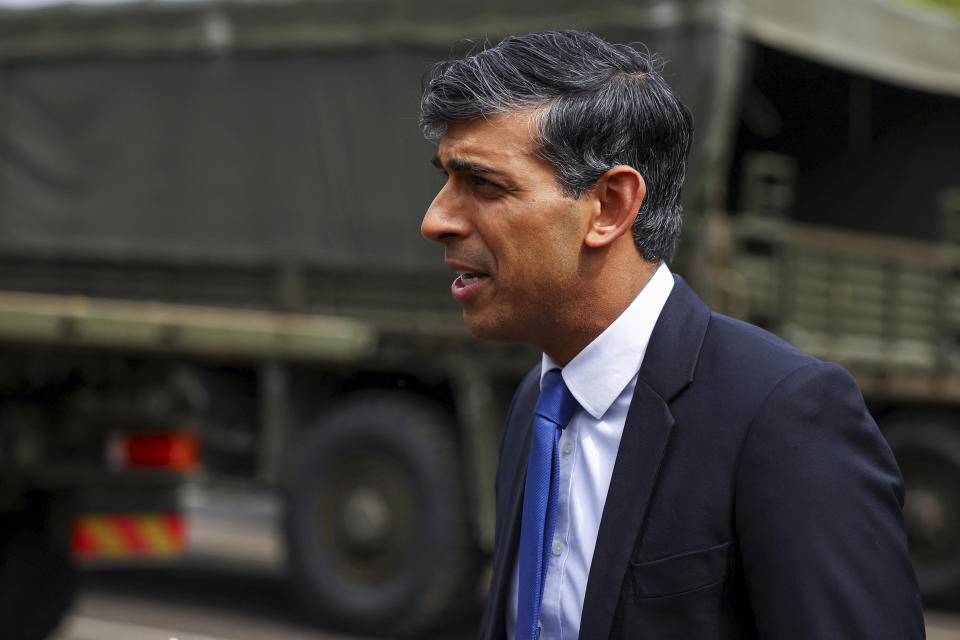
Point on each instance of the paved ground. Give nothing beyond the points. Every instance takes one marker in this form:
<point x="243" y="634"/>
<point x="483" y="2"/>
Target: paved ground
<point x="187" y="605"/>
<point x="201" y="602"/>
<point x="943" y="625"/>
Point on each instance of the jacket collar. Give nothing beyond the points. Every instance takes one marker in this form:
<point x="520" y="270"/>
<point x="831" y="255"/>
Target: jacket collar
<point x="674" y="348"/>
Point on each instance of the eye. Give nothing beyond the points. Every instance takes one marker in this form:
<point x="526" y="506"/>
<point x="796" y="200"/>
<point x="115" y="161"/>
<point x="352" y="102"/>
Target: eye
<point x="482" y="184"/>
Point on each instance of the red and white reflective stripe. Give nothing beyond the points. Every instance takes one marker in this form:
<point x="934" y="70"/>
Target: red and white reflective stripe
<point x="99" y="536"/>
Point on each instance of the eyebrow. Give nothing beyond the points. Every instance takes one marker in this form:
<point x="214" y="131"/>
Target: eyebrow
<point x="466" y="166"/>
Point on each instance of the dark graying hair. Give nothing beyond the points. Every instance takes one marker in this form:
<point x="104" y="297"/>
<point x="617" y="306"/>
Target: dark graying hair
<point x="599" y="105"/>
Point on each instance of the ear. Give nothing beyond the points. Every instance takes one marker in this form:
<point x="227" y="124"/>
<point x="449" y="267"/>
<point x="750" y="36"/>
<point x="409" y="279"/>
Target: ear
<point x="619" y="193"/>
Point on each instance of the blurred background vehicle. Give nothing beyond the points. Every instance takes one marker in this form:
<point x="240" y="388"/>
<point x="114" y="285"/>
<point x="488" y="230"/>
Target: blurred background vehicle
<point x="211" y="273"/>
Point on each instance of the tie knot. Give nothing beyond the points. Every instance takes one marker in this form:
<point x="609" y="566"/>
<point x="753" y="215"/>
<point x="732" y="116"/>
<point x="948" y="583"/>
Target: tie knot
<point x="556" y="403"/>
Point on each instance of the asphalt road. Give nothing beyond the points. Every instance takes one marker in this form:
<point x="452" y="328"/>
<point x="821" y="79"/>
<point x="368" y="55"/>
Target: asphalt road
<point x="196" y="603"/>
<point x="188" y="604"/>
<point x="942" y="625"/>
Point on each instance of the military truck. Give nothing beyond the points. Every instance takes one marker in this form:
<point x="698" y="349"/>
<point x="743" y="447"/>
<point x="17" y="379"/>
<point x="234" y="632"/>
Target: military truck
<point x="210" y="272"/>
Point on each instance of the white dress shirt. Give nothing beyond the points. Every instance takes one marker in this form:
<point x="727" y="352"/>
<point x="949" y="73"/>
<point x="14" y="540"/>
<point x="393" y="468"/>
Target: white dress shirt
<point x="602" y="378"/>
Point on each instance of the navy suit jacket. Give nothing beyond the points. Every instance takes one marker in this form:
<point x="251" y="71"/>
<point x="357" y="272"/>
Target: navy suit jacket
<point x="752" y="497"/>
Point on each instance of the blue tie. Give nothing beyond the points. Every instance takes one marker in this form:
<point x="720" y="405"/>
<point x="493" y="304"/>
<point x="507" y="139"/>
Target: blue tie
<point x="553" y="412"/>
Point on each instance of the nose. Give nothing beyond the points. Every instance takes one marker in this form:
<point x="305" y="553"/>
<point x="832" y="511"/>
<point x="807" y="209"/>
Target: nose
<point x="444" y="221"/>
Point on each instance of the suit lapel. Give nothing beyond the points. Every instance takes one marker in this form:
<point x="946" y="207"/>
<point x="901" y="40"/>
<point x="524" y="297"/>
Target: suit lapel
<point x="667" y="369"/>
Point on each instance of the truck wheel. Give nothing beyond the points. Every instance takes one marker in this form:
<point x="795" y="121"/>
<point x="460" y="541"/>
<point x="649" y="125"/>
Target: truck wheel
<point x="37" y="578"/>
<point x="377" y="540"/>
<point x="927" y="448"/>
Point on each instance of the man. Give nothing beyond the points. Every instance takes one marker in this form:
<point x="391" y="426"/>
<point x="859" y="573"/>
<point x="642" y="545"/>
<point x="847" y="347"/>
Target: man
<point x="681" y="474"/>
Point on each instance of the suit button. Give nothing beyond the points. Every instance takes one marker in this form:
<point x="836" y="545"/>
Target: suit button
<point x="557" y="548"/>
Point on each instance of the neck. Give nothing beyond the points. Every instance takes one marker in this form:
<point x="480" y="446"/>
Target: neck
<point x="612" y="291"/>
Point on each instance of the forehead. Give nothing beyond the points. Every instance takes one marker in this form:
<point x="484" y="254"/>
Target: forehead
<point x="503" y="139"/>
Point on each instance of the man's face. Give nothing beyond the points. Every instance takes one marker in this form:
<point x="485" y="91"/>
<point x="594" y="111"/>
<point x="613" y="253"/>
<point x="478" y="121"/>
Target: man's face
<point x="508" y="230"/>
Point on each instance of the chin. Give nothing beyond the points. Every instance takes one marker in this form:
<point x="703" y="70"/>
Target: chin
<point x="489" y="329"/>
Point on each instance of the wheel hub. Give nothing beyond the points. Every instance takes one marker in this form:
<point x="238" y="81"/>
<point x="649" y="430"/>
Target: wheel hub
<point x="365" y="520"/>
<point x="924" y="509"/>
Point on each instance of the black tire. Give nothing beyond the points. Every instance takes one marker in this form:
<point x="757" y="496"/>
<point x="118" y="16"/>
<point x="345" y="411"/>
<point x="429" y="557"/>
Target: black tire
<point x="37" y="577"/>
<point x="927" y="448"/>
<point x="376" y="535"/>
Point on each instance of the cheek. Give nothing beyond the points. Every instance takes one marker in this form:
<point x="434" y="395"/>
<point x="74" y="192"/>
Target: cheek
<point x="541" y="243"/>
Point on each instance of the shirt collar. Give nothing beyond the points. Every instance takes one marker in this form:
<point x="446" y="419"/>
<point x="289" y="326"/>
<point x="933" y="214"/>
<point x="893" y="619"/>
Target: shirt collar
<point x="599" y="373"/>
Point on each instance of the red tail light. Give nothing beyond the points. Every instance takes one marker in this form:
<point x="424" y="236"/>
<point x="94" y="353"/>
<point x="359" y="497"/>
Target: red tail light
<point x="175" y="451"/>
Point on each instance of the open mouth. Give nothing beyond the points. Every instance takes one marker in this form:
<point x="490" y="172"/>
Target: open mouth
<point x="467" y="284"/>
<point x="467" y="278"/>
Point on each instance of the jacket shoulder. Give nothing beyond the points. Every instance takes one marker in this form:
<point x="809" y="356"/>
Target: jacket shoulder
<point x="752" y="351"/>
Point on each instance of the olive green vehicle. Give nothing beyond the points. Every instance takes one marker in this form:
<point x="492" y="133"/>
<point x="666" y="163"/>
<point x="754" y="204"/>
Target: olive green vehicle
<point x="211" y="271"/>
